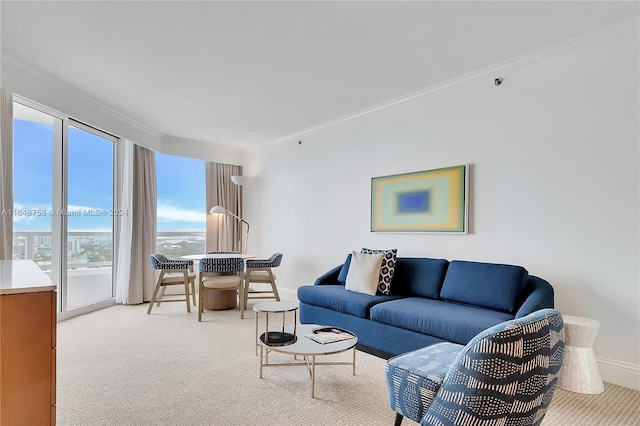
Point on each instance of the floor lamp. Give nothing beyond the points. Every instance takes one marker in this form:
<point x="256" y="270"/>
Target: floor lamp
<point x="222" y="210"/>
<point x="238" y="181"/>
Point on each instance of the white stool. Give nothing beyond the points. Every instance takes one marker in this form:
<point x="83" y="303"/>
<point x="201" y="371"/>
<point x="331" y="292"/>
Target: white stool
<point x="579" y="367"/>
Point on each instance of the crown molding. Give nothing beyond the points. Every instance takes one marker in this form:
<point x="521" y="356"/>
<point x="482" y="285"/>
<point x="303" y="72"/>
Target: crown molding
<point x="620" y="28"/>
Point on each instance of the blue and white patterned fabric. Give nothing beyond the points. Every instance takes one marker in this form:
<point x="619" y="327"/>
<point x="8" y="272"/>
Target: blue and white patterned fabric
<point x="160" y="261"/>
<point x="232" y="264"/>
<point x="506" y="375"/>
<point x="413" y="379"/>
<point x="272" y="262"/>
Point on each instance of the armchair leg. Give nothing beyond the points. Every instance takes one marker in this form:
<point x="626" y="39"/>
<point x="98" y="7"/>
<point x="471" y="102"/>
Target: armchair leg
<point x="201" y="300"/>
<point x="273" y="286"/>
<point x="398" y="419"/>
<point x="193" y="292"/>
<point x="186" y="291"/>
<point x="155" y="294"/>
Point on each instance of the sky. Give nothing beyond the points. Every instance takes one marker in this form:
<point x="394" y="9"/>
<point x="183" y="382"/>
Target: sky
<point x="180" y="183"/>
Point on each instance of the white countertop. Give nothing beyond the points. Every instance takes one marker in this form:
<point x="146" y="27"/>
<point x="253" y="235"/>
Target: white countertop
<point x="23" y="276"/>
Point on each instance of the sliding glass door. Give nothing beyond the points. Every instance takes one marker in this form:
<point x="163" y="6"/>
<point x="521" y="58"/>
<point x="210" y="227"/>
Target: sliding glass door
<point x="63" y="204"/>
<point x="89" y="236"/>
<point x="37" y="136"/>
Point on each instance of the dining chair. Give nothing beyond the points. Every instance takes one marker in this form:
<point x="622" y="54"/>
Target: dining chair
<point x="221" y="274"/>
<point x="259" y="271"/>
<point x="172" y="273"/>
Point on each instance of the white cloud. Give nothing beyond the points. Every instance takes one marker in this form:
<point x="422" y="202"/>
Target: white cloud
<point x="167" y="211"/>
<point x="29" y="212"/>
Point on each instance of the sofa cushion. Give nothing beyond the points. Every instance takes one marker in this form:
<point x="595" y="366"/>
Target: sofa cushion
<point x="419" y="277"/>
<point x="335" y="297"/>
<point x="488" y="285"/>
<point x="387" y="268"/>
<point x="449" y="321"/>
<point x="364" y="272"/>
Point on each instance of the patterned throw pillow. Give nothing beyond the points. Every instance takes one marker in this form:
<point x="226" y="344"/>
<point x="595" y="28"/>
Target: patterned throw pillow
<point x="387" y="268"/>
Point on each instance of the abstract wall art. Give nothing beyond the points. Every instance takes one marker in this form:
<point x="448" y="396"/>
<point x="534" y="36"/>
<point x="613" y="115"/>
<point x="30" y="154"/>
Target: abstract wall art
<point x="427" y="201"/>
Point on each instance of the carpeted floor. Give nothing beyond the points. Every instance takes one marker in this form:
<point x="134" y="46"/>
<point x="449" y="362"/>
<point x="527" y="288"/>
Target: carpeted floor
<point x="119" y="366"/>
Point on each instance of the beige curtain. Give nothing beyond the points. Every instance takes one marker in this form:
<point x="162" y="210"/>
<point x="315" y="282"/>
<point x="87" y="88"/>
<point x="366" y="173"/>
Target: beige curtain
<point x="123" y="225"/>
<point x="6" y="175"/>
<point x="223" y="232"/>
<point x="144" y="234"/>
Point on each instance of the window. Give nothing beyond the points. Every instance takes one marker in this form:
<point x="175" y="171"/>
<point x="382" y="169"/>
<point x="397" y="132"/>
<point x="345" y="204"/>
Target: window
<point x="35" y="133"/>
<point x="89" y="216"/>
<point x="181" y="205"/>
<point x="63" y="203"/>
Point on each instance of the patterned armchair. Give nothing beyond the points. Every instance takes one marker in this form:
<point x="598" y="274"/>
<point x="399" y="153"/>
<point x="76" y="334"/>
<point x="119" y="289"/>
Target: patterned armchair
<point x="506" y="375"/>
<point x="172" y="272"/>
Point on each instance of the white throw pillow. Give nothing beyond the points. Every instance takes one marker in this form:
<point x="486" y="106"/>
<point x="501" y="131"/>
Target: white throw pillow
<point x="364" y="272"/>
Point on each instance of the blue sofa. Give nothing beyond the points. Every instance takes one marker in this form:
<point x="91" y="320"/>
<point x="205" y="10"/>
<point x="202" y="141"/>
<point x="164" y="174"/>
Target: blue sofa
<point x="430" y="301"/>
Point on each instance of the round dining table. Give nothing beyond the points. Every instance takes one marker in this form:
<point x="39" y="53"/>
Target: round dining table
<point x="217" y="300"/>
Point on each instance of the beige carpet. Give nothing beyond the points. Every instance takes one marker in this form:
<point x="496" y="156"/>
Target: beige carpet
<point x="119" y="366"/>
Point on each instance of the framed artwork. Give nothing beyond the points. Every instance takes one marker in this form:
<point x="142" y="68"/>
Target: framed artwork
<point x="427" y="201"/>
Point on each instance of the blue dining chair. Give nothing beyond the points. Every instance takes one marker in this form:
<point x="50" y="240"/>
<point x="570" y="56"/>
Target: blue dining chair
<point x="221" y="274"/>
<point x="172" y="273"/>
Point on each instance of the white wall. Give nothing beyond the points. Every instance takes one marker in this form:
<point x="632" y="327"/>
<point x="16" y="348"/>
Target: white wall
<point x="555" y="182"/>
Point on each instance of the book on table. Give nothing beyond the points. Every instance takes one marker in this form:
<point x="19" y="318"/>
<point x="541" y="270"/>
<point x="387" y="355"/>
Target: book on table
<point x="329" y="335"/>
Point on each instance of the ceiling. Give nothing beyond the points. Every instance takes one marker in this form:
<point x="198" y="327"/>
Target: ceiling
<point x="238" y="73"/>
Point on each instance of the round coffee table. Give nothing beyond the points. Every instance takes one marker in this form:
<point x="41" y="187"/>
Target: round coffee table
<point x="308" y="349"/>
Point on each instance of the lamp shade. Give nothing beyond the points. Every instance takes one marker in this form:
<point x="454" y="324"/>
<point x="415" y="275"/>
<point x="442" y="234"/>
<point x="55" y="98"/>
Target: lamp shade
<point x="218" y="210"/>
<point x="238" y="180"/>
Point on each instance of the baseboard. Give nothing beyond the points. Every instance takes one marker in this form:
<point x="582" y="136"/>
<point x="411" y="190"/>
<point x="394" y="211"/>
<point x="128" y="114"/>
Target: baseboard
<point x="85" y="309"/>
<point x="619" y="373"/>
<point x="288" y="294"/>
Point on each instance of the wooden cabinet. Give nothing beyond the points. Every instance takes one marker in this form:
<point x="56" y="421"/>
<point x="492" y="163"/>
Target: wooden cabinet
<point x="27" y="346"/>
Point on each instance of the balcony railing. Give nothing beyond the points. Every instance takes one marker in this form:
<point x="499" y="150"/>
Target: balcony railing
<point x="89" y="259"/>
<point x="93" y="249"/>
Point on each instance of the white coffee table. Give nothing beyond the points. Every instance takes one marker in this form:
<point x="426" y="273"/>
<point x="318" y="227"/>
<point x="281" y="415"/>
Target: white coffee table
<point x="309" y="350"/>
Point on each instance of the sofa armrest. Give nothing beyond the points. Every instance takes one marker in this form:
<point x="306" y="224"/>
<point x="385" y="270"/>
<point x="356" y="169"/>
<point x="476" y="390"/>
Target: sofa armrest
<point x="330" y="277"/>
<point x="540" y="296"/>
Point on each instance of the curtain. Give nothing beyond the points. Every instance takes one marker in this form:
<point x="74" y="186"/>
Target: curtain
<point x="223" y="232"/>
<point x="143" y="221"/>
<point x="123" y="225"/>
<point x="6" y="175"/>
